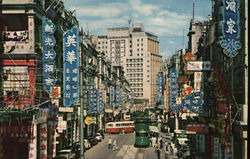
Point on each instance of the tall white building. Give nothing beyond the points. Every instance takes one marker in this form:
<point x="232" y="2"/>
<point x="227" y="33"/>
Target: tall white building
<point x="137" y="51"/>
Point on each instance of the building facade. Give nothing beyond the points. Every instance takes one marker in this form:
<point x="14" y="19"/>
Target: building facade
<point x="137" y="51"/>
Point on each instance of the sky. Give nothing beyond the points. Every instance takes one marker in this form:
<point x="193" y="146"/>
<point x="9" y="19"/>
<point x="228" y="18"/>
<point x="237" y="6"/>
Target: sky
<point x="168" y="19"/>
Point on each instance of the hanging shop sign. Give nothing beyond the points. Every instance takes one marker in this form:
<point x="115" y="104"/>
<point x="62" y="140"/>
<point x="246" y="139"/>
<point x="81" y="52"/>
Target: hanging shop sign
<point x="231" y="28"/>
<point x="197" y="81"/>
<point x="71" y="67"/>
<point x="88" y="120"/>
<point x="92" y="101"/>
<point x="198" y="65"/>
<point x="188" y="57"/>
<point x="49" y="67"/>
<point x="198" y="128"/>
<point x="43" y="115"/>
<point x="118" y="96"/>
<point x="159" y="87"/>
<point x="43" y="141"/>
<point x="166" y="97"/>
<point x="187" y="90"/>
<point x="33" y="142"/>
<point x="173" y="90"/>
<point x="56" y="93"/>
<point x="194" y="102"/>
<point x="101" y="104"/>
<point x="112" y="97"/>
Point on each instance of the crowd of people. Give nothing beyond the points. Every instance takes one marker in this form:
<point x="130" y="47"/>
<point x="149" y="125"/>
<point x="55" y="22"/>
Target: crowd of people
<point x="169" y="148"/>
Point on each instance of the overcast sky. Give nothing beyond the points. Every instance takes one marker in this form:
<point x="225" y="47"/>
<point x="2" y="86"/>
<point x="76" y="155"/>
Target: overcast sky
<point x="168" y="19"/>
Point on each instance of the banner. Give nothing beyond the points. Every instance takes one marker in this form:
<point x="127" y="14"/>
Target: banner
<point x="49" y="67"/>
<point x="71" y="67"/>
<point x="230" y="28"/>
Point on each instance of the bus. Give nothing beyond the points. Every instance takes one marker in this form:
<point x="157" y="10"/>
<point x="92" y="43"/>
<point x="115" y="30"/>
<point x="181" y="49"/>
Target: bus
<point x="119" y="126"/>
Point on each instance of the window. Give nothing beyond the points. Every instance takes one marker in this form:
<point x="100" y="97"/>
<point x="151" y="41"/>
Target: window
<point x="110" y="125"/>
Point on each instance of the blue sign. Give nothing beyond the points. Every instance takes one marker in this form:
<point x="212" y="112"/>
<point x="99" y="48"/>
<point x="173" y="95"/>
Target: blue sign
<point x="159" y="88"/>
<point x="173" y="90"/>
<point x="230" y="28"/>
<point x="112" y="97"/>
<point x="118" y="96"/>
<point x="194" y="102"/>
<point x="92" y="101"/>
<point x="101" y="104"/>
<point x="48" y="42"/>
<point x="71" y="67"/>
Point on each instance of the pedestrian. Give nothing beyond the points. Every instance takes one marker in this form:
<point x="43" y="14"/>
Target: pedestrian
<point x="166" y="145"/>
<point x="115" y="145"/>
<point x="160" y="141"/>
<point x="153" y="141"/>
<point x="158" y="151"/>
<point x="102" y="134"/>
<point x="123" y="131"/>
<point x="109" y="142"/>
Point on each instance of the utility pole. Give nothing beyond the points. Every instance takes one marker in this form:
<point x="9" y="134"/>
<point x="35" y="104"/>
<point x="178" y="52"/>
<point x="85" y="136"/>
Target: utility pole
<point x="81" y="110"/>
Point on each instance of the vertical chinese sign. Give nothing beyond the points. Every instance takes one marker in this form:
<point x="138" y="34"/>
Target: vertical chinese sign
<point x="92" y="101"/>
<point x="49" y="67"/>
<point x="118" y="96"/>
<point x="159" y="88"/>
<point x="173" y="90"/>
<point x="230" y="28"/>
<point x="112" y="97"/>
<point x="101" y="104"/>
<point x="71" y="67"/>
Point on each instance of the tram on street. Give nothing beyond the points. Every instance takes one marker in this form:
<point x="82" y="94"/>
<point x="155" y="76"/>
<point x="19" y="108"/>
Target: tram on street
<point x="120" y="126"/>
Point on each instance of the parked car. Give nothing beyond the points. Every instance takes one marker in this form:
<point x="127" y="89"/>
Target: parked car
<point x="98" y="136"/>
<point x="92" y="140"/>
<point x="66" y="154"/>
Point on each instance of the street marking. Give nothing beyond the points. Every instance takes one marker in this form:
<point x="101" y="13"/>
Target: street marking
<point x="127" y="152"/>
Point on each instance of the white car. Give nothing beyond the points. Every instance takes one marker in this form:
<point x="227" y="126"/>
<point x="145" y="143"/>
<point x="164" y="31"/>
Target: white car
<point x="66" y="153"/>
<point x="98" y="136"/>
<point x="87" y="145"/>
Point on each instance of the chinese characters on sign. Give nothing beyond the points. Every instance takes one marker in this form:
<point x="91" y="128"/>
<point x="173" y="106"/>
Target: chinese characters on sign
<point x="230" y="28"/>
<point x="71" y="67"/>
<point x="112" y="97"/>
<point x="173" y="90"/>
<point x="101" y="104"/>
<point x="49" y="67"/>
<point x="92" y="101"/>
<point x="118" y="96"/>
<point x="159" y="89"/>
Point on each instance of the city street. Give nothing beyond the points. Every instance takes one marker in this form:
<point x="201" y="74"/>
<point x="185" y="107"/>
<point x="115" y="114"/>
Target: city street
<point x="128" y="79"/>
<point x="126" y="149"/>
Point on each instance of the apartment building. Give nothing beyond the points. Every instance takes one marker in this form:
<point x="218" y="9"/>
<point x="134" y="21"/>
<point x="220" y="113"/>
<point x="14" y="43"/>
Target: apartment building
<point x="137" y="51"/>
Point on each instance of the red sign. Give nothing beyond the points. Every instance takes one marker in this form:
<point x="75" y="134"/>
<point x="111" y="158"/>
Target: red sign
<point x="187" y="90"/>
<point x="198" y="128"/>
<point x="188" y="57"/>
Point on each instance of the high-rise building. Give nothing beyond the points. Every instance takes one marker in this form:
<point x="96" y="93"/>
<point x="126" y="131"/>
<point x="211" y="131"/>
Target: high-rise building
<point x="137" y="51"/>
